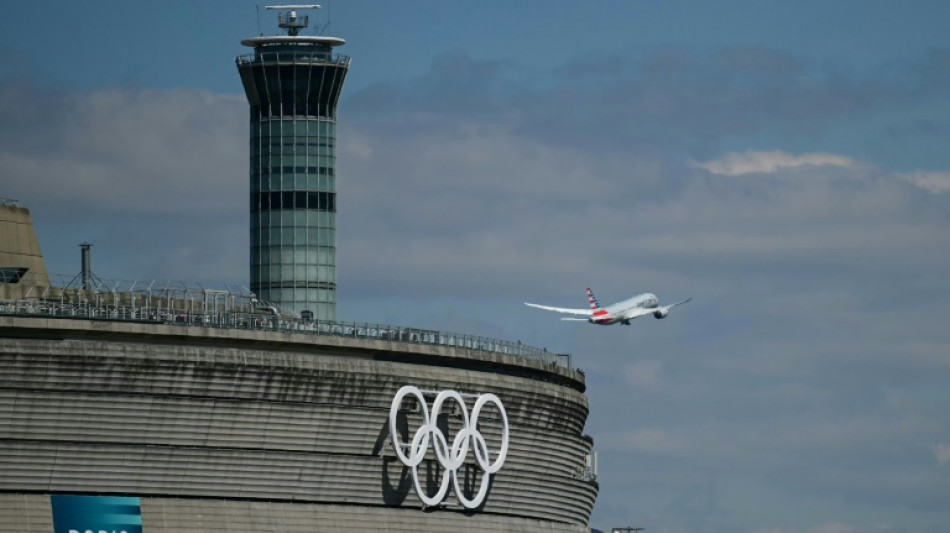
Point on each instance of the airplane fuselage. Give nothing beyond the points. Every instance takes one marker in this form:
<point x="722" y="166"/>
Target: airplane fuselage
<point x="619" y="312"/>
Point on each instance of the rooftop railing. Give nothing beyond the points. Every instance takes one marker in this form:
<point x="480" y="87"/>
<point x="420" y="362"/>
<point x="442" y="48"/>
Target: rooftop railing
<point x="294" y="57"/>
<point x="230" y="308"/>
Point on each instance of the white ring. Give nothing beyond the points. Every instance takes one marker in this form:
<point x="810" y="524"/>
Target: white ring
<point x="450" y="457"/>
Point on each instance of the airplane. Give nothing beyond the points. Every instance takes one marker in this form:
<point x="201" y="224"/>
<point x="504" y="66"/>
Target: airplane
<point x="618" y="313"/>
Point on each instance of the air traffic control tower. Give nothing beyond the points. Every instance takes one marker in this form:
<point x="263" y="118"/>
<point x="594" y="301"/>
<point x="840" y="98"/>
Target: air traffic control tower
<point x="293" y="84"/>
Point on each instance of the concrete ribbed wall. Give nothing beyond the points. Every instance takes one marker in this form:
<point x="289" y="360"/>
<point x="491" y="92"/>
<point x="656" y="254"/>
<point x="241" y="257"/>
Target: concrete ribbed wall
<point x="266" y="428"/>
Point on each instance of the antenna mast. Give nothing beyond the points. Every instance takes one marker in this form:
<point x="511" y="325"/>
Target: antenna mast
<point x="289" y="20"/>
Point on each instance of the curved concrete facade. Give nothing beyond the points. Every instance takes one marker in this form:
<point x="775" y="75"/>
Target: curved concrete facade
<point x="267" y="431"/>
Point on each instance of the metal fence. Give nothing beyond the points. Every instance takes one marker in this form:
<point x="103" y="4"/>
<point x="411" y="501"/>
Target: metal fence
<point x="228" y="308"/>
<point x="288" y="57"/>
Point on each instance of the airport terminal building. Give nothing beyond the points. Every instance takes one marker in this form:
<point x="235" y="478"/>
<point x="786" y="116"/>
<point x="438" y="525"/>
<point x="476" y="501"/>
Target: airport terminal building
<point x="157" y="408"/>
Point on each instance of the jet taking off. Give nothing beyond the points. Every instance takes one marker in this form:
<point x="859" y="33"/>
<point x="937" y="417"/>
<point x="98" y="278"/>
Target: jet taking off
<point x="618" y="313"/>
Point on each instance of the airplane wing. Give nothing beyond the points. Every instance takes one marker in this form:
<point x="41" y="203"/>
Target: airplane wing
<point x="574" y="319"/>
<point x="583" y="312"/>
<point x="671" y="306"/>
<point x="638" y="312"/>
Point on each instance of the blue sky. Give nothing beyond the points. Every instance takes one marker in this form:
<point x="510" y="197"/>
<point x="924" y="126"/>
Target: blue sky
<point x="783" y="163"/>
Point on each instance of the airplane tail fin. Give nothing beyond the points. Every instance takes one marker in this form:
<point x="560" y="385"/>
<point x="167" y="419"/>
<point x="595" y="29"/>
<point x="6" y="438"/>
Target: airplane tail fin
<point x="592" y="300"/>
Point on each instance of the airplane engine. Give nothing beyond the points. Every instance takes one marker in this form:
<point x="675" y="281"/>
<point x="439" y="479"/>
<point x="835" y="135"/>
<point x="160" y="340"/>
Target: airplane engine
<point x="661" y="313"/>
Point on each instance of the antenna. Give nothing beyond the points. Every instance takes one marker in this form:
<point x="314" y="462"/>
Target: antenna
<point x="321" y="29"/>
<point x="257" y="8"/>
<point x="289" y="20"/>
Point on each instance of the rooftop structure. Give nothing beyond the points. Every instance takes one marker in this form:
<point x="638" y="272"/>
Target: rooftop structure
<point x="293" y="83"/>
<point x="20" y="254"/>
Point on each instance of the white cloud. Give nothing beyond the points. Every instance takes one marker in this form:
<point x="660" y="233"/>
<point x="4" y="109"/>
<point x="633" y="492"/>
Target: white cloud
<point x="942" y="453"/>
<point x="936" y="182"/>
<point x="739" y="164"/>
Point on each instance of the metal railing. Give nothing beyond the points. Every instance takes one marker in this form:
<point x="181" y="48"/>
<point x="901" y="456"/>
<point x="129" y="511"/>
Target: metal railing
<point x="307" y="57"/>
<point x="228" y="308"/>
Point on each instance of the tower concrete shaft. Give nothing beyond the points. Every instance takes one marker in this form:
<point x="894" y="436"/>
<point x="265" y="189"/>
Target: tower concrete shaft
<point x="293" y="83"/>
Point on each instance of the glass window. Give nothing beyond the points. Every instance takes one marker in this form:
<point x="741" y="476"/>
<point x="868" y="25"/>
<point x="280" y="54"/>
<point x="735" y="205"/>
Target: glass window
<point x="287" y="274"/>
<point x="313" y="181"/>
<point x="327" y="201"/>
<point x="326" y="255"/>
<point x="287" y="202"/>
<point x="326" y="237"/>
<point x="325" y="273"/>
<point x="313" y="238"/>
<point x="287" y="128"/>
<point x="326" y="161"/>
<point x="287" y="239"/>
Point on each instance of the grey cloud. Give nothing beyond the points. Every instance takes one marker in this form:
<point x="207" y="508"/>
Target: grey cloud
<point x="164" y="169"/>
<point x="130" y="150"/>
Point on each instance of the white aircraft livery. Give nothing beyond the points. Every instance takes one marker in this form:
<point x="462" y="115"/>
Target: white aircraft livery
<point x="618" y="313"/>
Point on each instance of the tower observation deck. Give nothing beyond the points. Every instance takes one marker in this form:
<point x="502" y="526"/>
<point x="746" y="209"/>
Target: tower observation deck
<point x="293" y="84"/>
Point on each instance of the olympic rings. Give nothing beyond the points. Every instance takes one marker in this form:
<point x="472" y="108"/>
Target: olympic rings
<point x="450" y="457"/>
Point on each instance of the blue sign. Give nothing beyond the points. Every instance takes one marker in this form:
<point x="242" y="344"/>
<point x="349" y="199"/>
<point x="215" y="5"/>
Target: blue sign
<point x="96" y="514"/>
